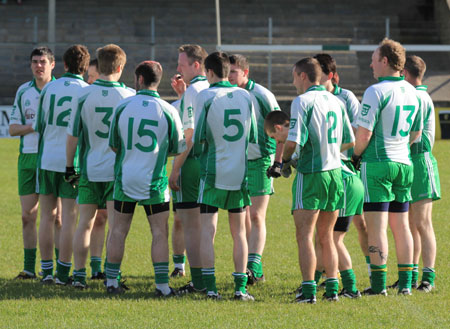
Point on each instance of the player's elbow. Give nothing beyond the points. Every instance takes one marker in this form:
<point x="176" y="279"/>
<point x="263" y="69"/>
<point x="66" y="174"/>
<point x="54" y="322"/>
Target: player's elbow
<point x="347" y="146"/>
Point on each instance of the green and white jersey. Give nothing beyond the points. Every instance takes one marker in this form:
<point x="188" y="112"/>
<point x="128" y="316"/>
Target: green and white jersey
<point x="389" y="110"/>
<point x="57" y="100"/>
<point x="145" y="130"/>
<point x="319" y="125"/>
<point x="90" y="121"/>
<point x="264" y="102"/>
<point x="225" y="122"/>
<point x="351" y="105"/>
<point x="426" y="141"/>
<point x="187" y="109"/>
<point x="24" y="112"/>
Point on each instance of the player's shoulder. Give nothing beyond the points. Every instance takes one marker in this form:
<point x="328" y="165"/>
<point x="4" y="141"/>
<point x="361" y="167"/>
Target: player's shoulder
<point x="195" y="88"/>
<point x="25" y="85"/>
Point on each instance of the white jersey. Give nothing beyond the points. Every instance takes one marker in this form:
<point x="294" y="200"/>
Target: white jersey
<point x="426" y="141"/>
<point x="91" y="121"/>
<point x="196" y="85"/>
<point x="351" y="105"/>
<point x="264" y="102"/>
<point x="58" y="98"/>
<point x="319" y="124"/>
<point x="24" y="112"/>
<point x="389" y="110"/>
<point x="225" y="122"/>
<point x="145" y="131"/>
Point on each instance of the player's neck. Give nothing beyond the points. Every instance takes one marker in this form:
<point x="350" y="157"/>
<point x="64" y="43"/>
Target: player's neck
<point x="112" y="77"/>
<point x="40" y="83"/>
<point x="216" y="79"/>
<point x="329" y="86"/>
<point x="244" y="84"/>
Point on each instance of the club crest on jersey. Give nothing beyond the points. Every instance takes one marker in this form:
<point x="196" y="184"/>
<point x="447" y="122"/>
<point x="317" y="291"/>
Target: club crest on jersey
<point x="293" y="122"/>
<point x="66" y="83"/>
<point x="365" y="109"/>
<point x="27" y="102"/>
<point x="189" y="112"/>
<point x="144" y="103"/>
<point x="104" y="93"/>
<point x="230" y="95"/>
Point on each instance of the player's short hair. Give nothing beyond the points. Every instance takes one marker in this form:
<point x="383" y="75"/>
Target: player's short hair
<point x="94" y="62"/>
<point x="76" y="58"/>
<point x="311" y="67"/>
<point x="394" y="52"/>
<point x="327" y="63"/>
<point x="219" y="63"/>
<point x="275" y="118"/>
<point x="194" y="53"/>
<point x="109" y="58"/>
<point x="43" y="51"/>
<point x="150" y="71"/>
<point x="240" y="61"/>
<point x="415" y="66"/>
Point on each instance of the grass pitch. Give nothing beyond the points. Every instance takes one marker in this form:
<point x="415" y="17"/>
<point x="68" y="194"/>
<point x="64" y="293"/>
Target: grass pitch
<point x="29" y="304"/>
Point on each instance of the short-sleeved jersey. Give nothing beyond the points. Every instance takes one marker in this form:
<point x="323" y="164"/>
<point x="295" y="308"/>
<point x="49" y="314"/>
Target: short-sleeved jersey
<point x="389" y="110"/>
<point x="351" y="105"/>
<point x="319" y="125"/>
<point x="225" y="122"/>
<point x="24" y="112"/>
<point x="264" y="102"/>
<point x="57" y="100"/>
<point x="145" y="130"/>
<point x="196" y="85"/>
<point x="90" y="121"/>
<point x="426" y="141"/>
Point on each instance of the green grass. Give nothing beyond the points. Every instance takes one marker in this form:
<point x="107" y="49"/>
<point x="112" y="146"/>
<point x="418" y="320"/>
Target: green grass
<point x="26" y="304"/>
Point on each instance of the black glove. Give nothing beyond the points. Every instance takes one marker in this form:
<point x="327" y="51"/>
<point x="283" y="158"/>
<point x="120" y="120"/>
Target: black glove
<point x="286" y="169"/>
<point x="356" y="161"/>
<point x="274" y="170"/>
<point x="71" y="176"/>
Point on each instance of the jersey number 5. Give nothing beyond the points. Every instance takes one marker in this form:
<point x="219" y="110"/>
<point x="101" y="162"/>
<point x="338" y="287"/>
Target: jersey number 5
<point x="228" y="122"/>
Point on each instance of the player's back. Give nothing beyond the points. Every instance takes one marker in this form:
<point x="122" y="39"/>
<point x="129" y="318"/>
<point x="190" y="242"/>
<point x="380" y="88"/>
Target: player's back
<point x="426" y="141"/>
<point x="389" y="109"/>
<point x="93" y="116"/>
<point x="320" y="126"/>
<point x="145" y="131"/>
<point x="58" y="99"/>
<point x="196" y="85"/>
<point x="224" y="117"/>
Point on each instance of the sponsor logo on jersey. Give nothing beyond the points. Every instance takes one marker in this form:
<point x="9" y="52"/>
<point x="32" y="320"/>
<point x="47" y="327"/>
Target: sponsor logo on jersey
<point x="30" y="114"/>
<point x="104" y="93"/>
<point x="189" y="112"/>
<point x="230" y="95"/>
<point x="293" y="122"/>
<point x="67" y="83"/>
<point x="144" y="103"/>
<point x="365" y="109"/>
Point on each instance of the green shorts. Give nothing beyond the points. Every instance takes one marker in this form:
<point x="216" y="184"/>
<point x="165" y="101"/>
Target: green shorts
<point x="318" y="191"/>
<point x="95" y="192"/>
<point x="258" y="182"/>
<point x="426" y="183"/>
<point x="27" y="177"/>
<point x="156" y="197"/>
<point x="353" y="197"/>
<point x="52" y="182"/>
<point x="386" y="181"/>
<point x="223" y="199"/>
<point x="188" y="182"/>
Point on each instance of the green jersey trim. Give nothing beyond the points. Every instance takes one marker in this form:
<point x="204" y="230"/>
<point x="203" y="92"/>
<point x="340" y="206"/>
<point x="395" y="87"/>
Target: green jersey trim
<point x="316" y="87"/>
<point x="147" y="92"/>
<point x="223" y="84"/>
<point x="250" y="85"/>
<point x="73" y="76"/>
<point x="391" y="78"/>
<point x="33" y="84"/>
<point x="337" y="90"/>
<point x="422" y="87"/>
<point x="106" y="83"/>
<point x="198" y="78"/>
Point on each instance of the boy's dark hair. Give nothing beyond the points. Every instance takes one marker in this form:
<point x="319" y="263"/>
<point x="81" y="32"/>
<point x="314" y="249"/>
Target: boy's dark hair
<point x="94" y="62"/>
<point x="327" y="63"/>
<point x="150" y="71"/>
<point x="219" y="63"/>
<point x="76" y="58"/>
<point x="239" y="60"/>
<point x="43" y="51"/>
<point x="275" y="118"/>
<point x="415" y="66"/>
<point x="311" y="67"/>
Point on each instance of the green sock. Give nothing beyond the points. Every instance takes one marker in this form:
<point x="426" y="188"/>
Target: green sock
<point x="161" y="272"/>
<point x="254" y="264"/>
<point x="57" y="253"/>
<point x="349" y="280"/>
<point x="331" y="286"/>
<point x="112" y="270"/>
<point x="378" y="277"/>
<point x="404" y="276"/>
<point x="317" y="276"/>
<point x="240" y="281"/>
<point x="197" y="279"/>
<point x="179" y="259"/>
<point x="63" y="270"/>
<point x="47" y="267"/>
<point x="415" y="274"/>
<point x="209" y="279"/>
<point x="96" y="264"/>
<point x="428" y="275"/>
<point x="80" y="275"/>
<point x="29" y="263"/>
<point x="309" y="288"/>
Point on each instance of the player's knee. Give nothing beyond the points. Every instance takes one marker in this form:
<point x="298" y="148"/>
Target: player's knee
<point x="28" y="219"/>
<point x="100" y="220"/>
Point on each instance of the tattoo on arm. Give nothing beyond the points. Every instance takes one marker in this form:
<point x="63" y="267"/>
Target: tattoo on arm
<point x="374" y="250"/>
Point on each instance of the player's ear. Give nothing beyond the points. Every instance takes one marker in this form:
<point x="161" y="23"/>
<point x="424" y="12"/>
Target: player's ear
<point x="330" y="76"/>
<point x="246" y="72"/>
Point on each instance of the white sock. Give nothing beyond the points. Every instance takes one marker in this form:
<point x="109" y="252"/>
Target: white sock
<point x="164" y="288"/>
<point x="112" y="282"/>
<point x="179" y="266"/>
